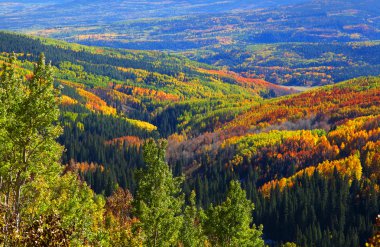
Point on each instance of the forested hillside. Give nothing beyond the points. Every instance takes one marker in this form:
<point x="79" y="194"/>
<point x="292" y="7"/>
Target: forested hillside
<point x="294" y="43"/>
<point x="308" y="161"/>
<point x="297" y="157"/>
<point x="297" y="64"/>
<point x="112" y="100"/>
<point x="47" y="203"/>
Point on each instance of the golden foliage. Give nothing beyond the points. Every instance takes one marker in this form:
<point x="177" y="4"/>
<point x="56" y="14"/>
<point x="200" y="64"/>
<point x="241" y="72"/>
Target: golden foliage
<point x="66" y="100"/>
<point x="95" y="103"/>
<point x="141" y="124"/>
<point x="350" y="167"/>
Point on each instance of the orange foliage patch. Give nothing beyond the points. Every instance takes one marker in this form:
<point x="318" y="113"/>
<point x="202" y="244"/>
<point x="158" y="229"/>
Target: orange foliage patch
<point x="95" y="103"/>
<point x="128" y="140"/>
<point x="257" y="84"/>
<point x="337" y="103"/>
<point x="28" y="76"/>
<point x="114" y="95"/>
<point x="84" y="166"/>
<point x="145" y="92"/>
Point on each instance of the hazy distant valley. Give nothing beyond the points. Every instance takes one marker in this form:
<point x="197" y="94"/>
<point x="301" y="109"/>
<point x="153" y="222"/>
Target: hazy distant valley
<point x="252" y="39"/>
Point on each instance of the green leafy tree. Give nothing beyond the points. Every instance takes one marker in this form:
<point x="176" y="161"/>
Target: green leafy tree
<point x="159" y="199"/>
<point x="39" y="205"/>
<point x="28" y="136"/>
<point x="81" y="211"/>
<point x="192" y="233"/>
<point x="229" y="224"/>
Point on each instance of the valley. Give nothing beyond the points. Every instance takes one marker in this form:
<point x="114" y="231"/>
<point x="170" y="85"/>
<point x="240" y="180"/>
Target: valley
<point x="220" y="126"/>
<point x="332" y="43"/>
<point x="190" y="123"/>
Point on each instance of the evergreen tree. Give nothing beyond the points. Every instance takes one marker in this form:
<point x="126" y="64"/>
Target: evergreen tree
<point x="159" y="199"/>
<point x="229" y="224"/>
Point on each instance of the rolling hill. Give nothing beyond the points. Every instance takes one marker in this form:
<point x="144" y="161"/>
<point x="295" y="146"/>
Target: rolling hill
<point x="287" y="152"/>
<point x="234" y="123"/>
<point x="136" y="94"/>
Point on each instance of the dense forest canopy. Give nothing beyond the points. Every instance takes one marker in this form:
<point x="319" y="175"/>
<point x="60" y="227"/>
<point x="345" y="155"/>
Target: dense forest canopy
<point x="232" y="123"/>
<point x="46" y="204"/>
<point x="281" y="150"/>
